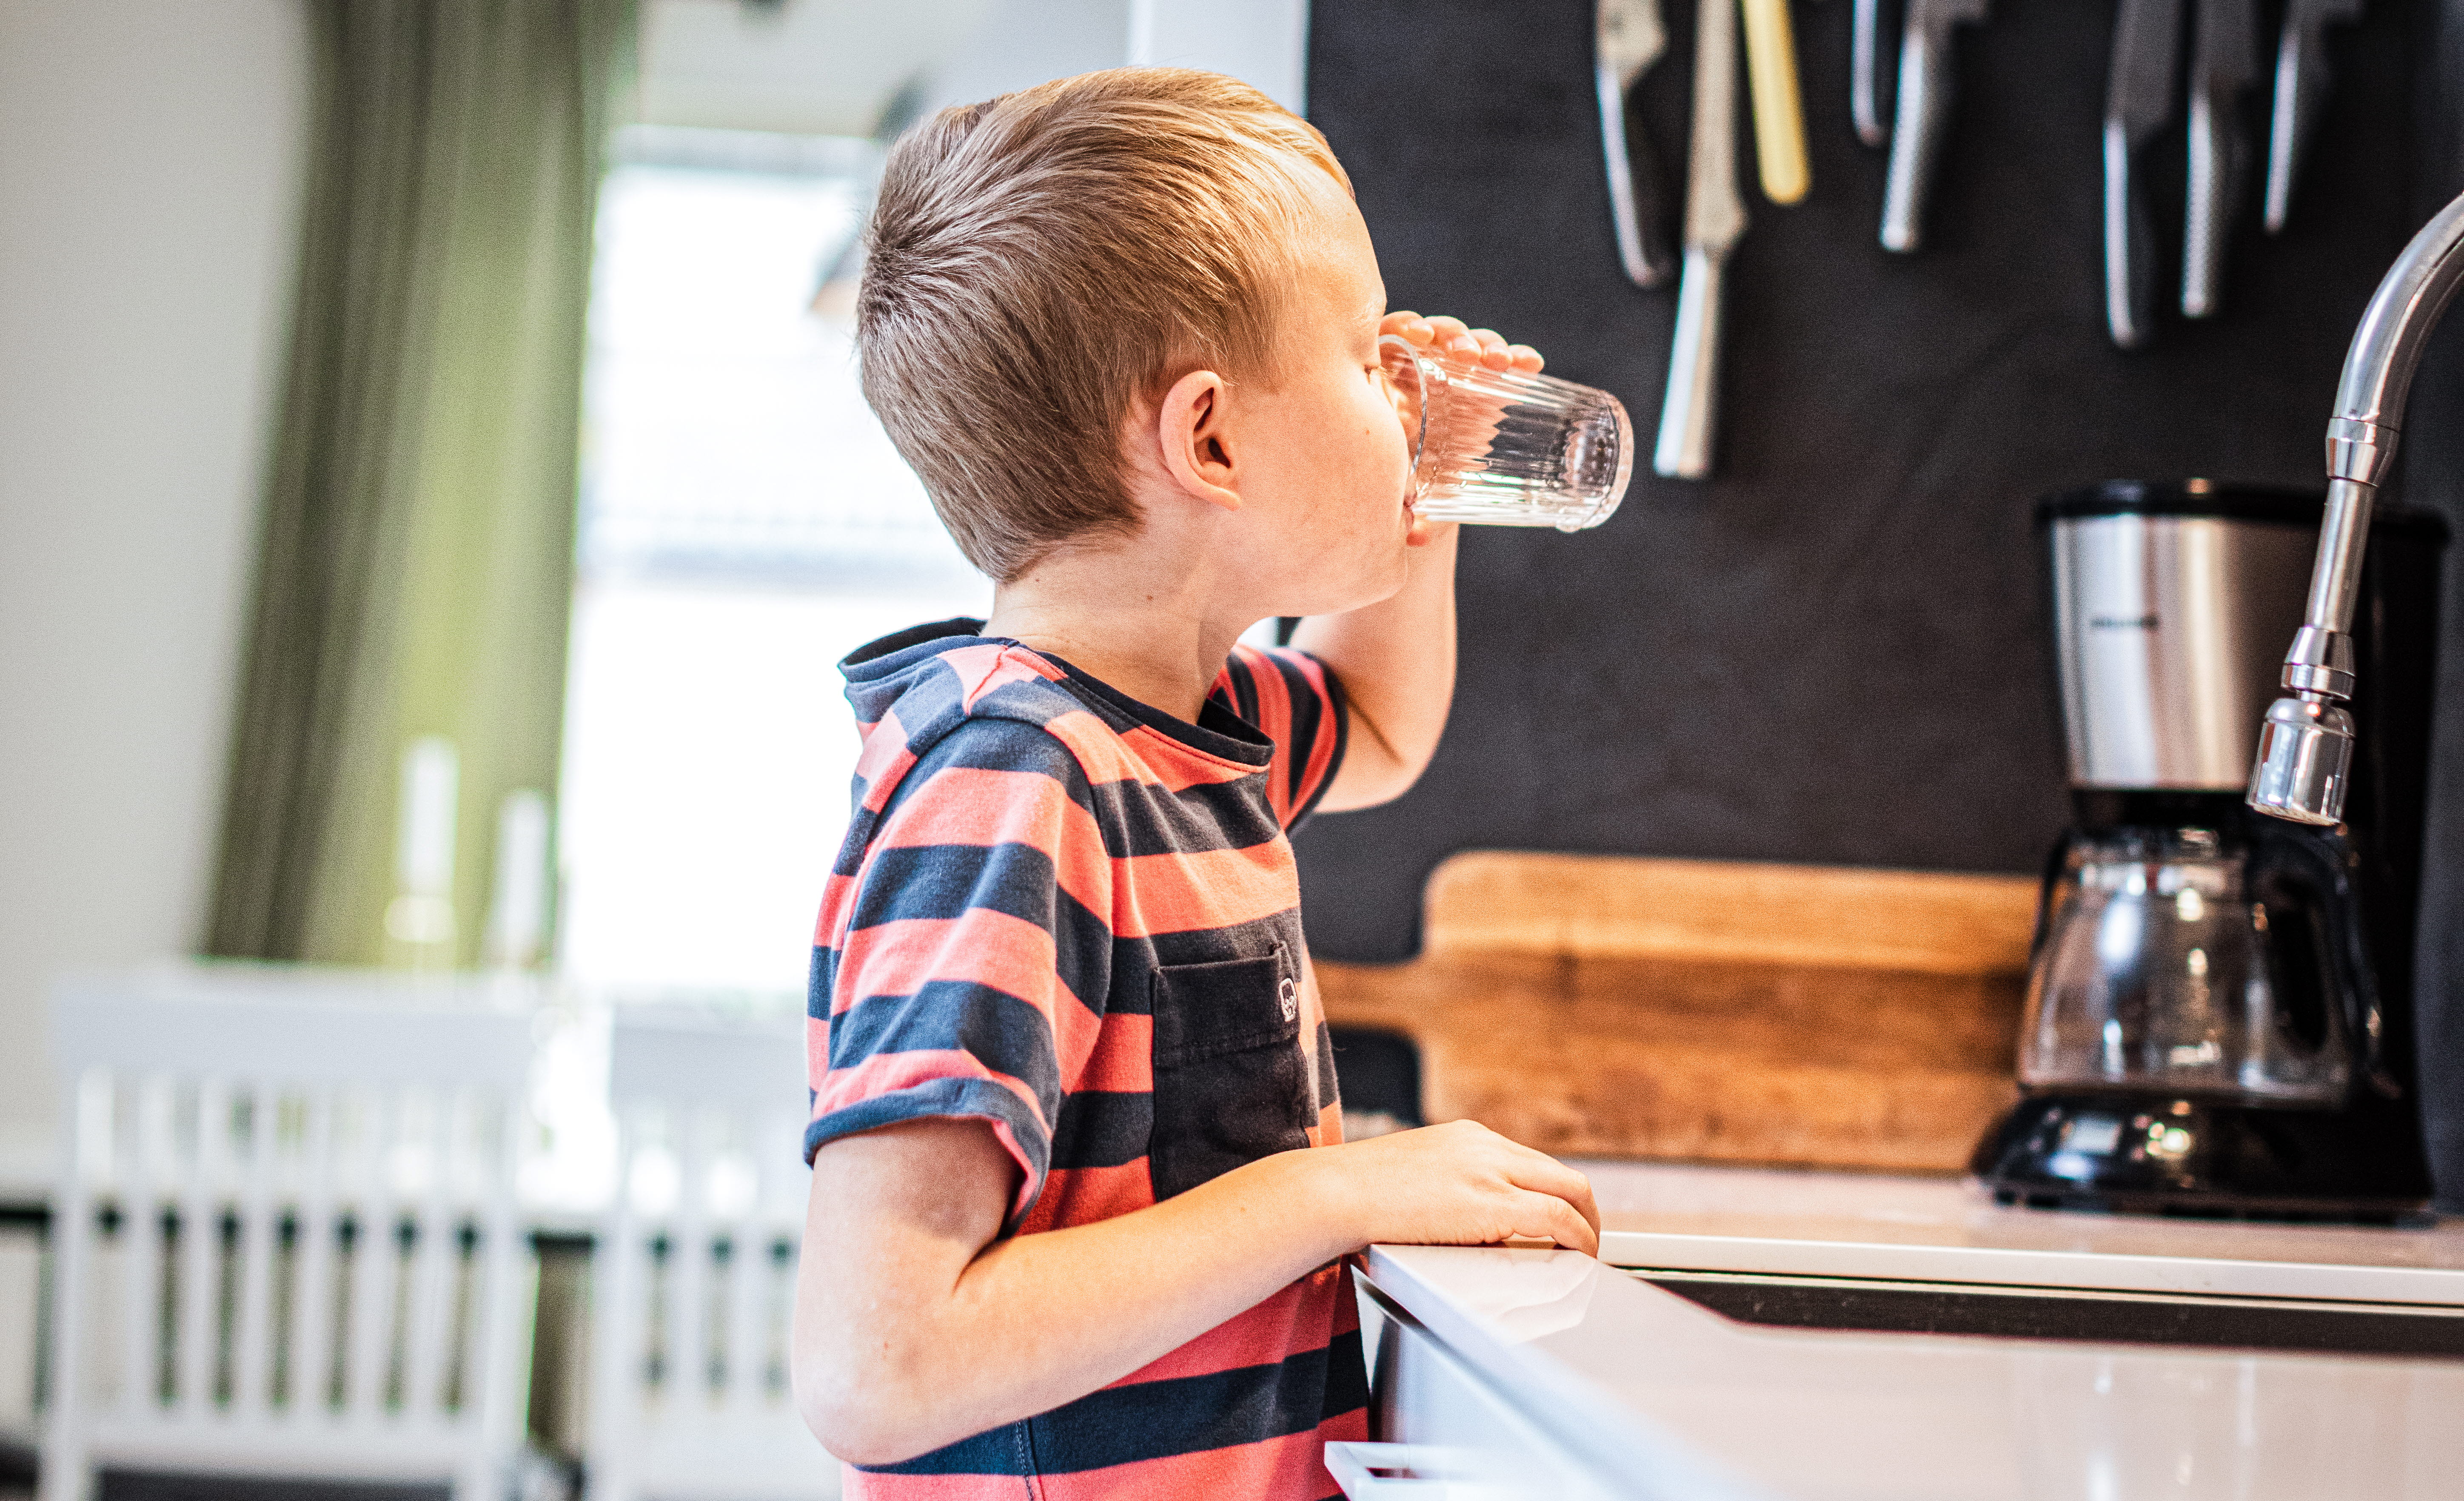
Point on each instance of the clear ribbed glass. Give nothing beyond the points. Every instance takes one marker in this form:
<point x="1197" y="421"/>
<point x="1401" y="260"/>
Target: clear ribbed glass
<point x="1506" y="449"/>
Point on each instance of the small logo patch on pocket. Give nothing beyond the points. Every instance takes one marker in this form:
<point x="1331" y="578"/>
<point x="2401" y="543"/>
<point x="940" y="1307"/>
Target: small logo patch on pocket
<point x="1291" y="997"/>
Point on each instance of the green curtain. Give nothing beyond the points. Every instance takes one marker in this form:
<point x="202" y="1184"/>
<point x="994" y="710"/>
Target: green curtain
<point x="414" y="575"/>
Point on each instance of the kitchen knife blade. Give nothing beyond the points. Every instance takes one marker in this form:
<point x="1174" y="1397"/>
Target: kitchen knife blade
<point x="1629" y="38"/>
<point x="1715" y="218"/>
<point x="2138" y="101"/>
<point x="1779" y="113"/>
<point x="2224" y="62"/>
<point x="1865" y="71"/>
<point x="2300" y="93"/>
<point x="1925" y="109"/>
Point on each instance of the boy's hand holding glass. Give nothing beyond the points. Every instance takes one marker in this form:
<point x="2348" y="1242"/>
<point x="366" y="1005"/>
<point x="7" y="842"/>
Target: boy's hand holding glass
<point x="1494" y="441"/>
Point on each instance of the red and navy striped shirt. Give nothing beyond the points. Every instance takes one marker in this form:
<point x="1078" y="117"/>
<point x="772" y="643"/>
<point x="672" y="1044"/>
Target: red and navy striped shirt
<point x="1077" y="919"/>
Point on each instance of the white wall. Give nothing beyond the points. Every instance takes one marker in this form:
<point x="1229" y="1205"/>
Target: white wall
<point x="829" y="67"/>
<point x="149" y="167"/>
<point x="1024" y="42"/>
<point x="1264" y="43"/>
<point x="812" y="67"/>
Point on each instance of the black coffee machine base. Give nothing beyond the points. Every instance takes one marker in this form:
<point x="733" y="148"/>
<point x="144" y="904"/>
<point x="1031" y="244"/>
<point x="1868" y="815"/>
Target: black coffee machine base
<point x="2200" y="1159"/>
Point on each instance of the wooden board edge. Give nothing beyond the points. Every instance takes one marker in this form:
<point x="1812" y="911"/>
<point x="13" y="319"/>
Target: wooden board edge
<point x="1633" y="907"/>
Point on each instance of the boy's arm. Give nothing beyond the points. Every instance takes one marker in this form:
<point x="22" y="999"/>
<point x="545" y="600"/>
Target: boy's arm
<point x="915" y="1326"/>
<point x="1395" y="659"/>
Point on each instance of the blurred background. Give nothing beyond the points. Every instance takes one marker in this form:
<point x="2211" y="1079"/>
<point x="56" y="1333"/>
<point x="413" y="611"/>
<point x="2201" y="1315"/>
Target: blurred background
<point x="435" y="490"/>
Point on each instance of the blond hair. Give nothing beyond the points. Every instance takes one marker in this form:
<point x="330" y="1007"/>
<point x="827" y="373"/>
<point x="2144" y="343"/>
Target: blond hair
<point x="1040" y="262"/>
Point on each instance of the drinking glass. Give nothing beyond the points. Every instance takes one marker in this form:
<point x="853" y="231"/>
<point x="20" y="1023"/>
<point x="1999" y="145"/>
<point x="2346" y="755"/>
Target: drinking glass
<point x="1505" y="447"/>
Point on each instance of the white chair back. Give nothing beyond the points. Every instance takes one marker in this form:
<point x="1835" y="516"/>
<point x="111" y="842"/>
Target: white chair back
<point x="695" y="1267"/>
<point x="286" y="1241"/>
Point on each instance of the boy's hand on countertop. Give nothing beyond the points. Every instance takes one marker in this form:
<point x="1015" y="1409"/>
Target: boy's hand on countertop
<point x="1460" y="1183"/>
<point x="1448" y="336"/>
<point x="918" y="1322"/>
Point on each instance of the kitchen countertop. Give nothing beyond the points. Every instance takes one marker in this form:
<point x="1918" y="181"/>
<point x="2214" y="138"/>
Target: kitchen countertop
<point x="1940" y="1230"/>
<point x="1662" y="1398"/>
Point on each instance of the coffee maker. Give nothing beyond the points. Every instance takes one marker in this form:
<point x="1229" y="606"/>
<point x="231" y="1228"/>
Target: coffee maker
<point x="2219" y="1016"/>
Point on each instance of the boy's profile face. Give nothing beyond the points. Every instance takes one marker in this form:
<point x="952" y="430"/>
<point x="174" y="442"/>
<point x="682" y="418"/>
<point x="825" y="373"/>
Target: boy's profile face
<point x="1330" y="457"/>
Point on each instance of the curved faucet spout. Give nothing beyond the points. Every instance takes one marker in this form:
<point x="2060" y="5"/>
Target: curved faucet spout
<point x="2387" y="345"/>
<point x="2305" y="745"/>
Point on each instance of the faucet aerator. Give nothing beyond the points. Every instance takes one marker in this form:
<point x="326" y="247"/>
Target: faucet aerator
<point x="2306" y="751"/>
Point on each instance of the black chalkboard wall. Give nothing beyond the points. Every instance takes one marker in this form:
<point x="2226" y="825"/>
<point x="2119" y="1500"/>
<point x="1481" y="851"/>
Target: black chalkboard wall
<point x="1836" y="651"/>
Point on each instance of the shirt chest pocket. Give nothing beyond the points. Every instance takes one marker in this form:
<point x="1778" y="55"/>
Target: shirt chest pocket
<point x="1231" y="1081"/>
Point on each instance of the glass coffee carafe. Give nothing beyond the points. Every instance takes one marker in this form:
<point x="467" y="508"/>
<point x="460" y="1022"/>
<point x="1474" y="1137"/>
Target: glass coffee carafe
<point x="2196" y="963"/>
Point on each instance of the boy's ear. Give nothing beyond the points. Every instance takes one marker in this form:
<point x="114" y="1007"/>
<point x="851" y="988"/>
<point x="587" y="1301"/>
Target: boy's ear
<point x="1194" y="430"/>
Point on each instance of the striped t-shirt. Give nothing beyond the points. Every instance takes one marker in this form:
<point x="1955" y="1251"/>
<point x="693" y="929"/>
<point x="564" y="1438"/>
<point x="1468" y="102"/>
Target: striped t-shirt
<point x="1077" y="919"/>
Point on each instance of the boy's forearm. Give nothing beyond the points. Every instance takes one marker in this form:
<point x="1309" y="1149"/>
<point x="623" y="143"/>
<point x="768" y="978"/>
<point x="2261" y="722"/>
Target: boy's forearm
<point x="1033" y="1321"/>
<point x="916" y="1327"/>
<point x="1396" y="663"/>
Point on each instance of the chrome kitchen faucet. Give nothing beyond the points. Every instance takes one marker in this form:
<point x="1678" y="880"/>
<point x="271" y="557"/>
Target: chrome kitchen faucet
<point x="2305" y="745"/>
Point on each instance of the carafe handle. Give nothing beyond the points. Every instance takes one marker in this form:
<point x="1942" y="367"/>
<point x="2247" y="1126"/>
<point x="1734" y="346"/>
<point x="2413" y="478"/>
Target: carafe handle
<point x="2057" y="867"/>
<point x="2325" y="863"/>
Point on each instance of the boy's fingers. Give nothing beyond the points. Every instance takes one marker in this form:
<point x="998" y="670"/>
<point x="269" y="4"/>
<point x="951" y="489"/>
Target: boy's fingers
<point x="1546" y="1214"/>
<point x="1527" y="359"/>
<point x="1454" y="335"/>
<point x="1545" y="1174"/>
<point x="1589" y="1208"/>
<point x="1410" y="326"/>
<point x="1493" y="350"/>
<point x="1420" y="329"/>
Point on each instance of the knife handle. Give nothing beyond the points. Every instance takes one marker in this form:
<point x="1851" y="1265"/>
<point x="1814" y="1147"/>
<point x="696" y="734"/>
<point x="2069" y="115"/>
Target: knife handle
<point x="1864" y="72"/>
<point x="1779" y="114"/>
<point x="1638" y="204"/>
<point x="2129" y="247"/>
<point x="2300" y="94"/>
<point x="2214" y="184"/>
<point x="1916" y="135"/>
<point x="1688" y="413"/>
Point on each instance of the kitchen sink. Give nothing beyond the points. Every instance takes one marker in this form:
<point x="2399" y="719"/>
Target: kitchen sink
<point x="2033" y="1312"/>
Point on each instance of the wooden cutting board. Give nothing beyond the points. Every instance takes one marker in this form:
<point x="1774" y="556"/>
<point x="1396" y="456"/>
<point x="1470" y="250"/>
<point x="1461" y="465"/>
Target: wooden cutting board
<point x="1618" y="1007"/>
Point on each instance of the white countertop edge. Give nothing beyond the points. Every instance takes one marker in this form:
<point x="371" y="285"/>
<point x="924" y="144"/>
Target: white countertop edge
<point x="1564" y="1401"/>
<point x="2101" y="1271"/>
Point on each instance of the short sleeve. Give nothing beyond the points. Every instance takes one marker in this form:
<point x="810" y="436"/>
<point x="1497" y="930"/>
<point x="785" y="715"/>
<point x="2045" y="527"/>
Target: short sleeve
<point x="1294" y="699"/>
<point x="961" y="970"/>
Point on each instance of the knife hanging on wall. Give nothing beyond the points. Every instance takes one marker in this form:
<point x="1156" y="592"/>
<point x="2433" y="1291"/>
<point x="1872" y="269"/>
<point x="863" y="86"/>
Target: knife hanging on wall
<point x="1779" y="113"/>
<point x="2224" y="62"/>
<point x="1628" y="40"/>
<point x="1924" y="110"/>
<point x="1715" y="218"/>
<point x="1865" y="72"/>
<point x="2300" y="93"/>
<point x="2138" y="100"/>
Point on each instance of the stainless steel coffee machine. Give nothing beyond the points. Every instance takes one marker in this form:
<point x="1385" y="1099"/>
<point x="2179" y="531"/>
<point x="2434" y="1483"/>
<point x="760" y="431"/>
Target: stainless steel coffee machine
<point x="2218" y="1016"/>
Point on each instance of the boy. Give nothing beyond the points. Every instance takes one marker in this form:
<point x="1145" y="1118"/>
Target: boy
<point x="1080" y="1202"/>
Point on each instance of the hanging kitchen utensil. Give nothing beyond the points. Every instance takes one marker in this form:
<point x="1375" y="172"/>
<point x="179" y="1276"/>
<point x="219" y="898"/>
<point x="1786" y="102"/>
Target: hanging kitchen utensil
<point x="2224" y="62"/>
<point x="1779" y="113"/>
<point x="1628" y="40"/>
<point x="1924" y="110"/>
<point x="1864" y="72"/>
<point x="2138" y="101"/>
<point x="1715" y="218"/>
<point x="2300" y="94"/>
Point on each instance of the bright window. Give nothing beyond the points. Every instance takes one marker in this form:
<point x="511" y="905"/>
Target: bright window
<point x="745" y="523"/>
